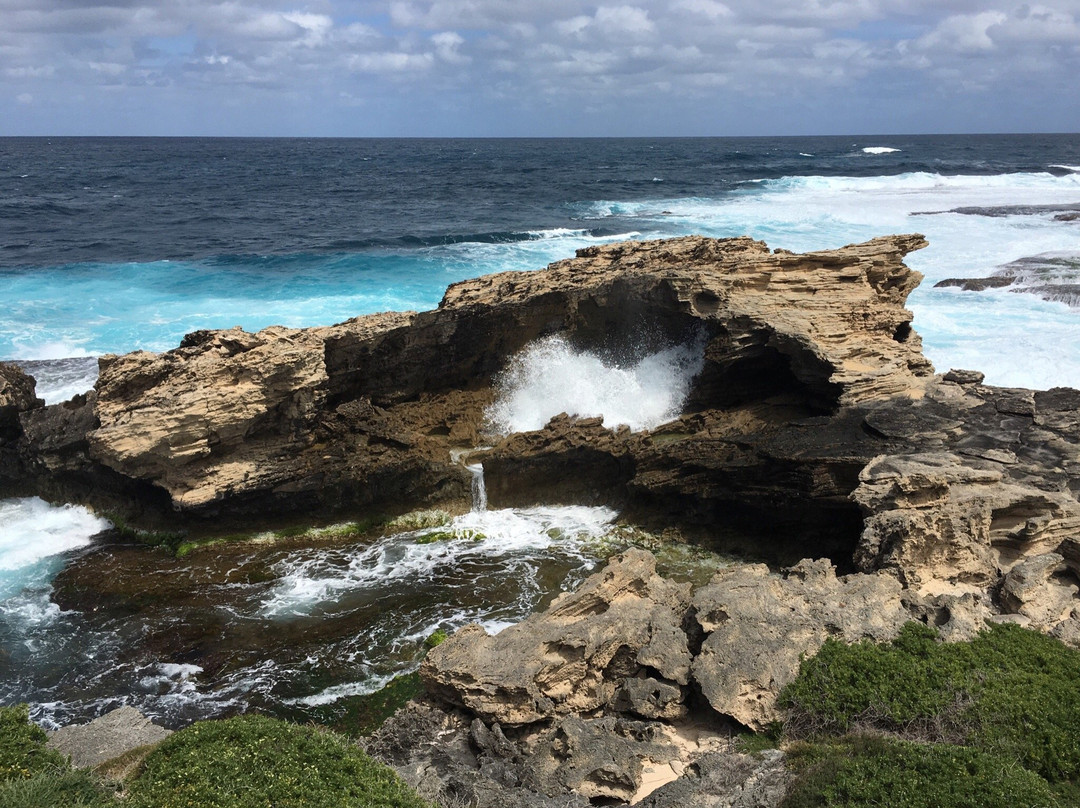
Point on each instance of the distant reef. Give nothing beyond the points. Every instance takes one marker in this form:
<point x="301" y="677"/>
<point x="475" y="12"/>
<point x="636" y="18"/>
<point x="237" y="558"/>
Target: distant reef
<point x="816" y="437"/>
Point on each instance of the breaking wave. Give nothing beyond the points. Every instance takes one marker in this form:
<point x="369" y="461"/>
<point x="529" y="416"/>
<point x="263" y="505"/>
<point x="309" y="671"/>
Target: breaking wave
<point x="551" y="377"/>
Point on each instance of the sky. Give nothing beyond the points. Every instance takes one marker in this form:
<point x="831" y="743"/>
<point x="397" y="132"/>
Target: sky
<point x="537" y="67"/>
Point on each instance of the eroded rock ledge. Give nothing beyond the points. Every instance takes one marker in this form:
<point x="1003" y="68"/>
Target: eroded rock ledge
<point x="361" y="416"/>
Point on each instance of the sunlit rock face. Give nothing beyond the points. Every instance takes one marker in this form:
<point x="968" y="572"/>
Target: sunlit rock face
<point x="363" y="415"/>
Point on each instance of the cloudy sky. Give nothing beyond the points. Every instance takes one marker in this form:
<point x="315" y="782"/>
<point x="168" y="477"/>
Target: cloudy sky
<point x="537" y="67"/>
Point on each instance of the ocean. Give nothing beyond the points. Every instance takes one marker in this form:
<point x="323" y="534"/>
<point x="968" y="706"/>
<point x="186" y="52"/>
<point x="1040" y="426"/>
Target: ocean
<point x="114" y="244"/>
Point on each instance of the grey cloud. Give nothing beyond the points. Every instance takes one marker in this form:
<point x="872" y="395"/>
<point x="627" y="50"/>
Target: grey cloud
<point x="593" y="54"/>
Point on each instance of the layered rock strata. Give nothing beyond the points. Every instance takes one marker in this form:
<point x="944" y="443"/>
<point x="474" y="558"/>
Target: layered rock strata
<point x="364" y="413"/>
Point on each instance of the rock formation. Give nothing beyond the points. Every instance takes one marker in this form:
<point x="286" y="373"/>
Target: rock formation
<point x="815" y="438"/>
<point x="107" y="737"/>
<point x="1051" y="276"/>
<point x="362" y="415"/>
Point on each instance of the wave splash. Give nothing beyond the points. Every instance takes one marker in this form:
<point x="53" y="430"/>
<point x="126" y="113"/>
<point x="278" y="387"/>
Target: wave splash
<point x="551" y="377"/>
<point x="33" y="533"/>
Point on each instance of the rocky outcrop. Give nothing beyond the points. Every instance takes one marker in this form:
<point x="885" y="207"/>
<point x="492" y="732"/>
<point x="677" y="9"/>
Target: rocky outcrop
<point x="363" y="414"/>
<point x="591" y="700"/>
<point x="628" y="642"/>
<point x="628" y="688"/>
<point x="16" y="397"/>
<point x="986" y="485"/>
<point x="759" y="626"/>
<point x="1051" y="276"/>
<point x="619" y="637"/>
<point x="106" y="737"/>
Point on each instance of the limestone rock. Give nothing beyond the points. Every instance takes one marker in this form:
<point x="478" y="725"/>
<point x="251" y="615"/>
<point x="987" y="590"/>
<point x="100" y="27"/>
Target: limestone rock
<point x="106" y="737"/>
<point x="16" y="392"/>
<point x="345" y="416"/>
<point x="759" y="625"/>
<point x="727" y="780"/>
<point x="16" y="397"/>
<point x="624" y="622"/>
<point x="964" y="376"/>
<point x="165" y="416"/>
<point x="1029" y="589"/>
<point x="600" y="759"/>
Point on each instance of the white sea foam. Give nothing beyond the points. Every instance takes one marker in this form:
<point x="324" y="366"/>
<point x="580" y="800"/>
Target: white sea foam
<point x="1016" y="339"/>
<point x="323" y="576"/>
<point x="558" y="232"/>
<point x="550" y="377"/>
<point x="31" y="529"/>
<point x="32" y="534"/>
<point x="52" y="349"/>
<point x="1065" y="167"/>
<point x="879" y="150"/>
<point x="60" y="379"/>
<point x="335" y="692"/>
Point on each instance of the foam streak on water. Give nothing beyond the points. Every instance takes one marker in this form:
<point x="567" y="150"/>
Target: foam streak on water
<point x="312" y="579"/>
<point x="276" y="628"/>
<point x="550" y="377"/>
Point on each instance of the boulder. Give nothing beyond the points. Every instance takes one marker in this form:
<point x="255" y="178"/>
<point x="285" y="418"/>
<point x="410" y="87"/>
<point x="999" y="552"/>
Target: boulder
<point x="623" y="623"/>
<point x="107" y="737"/>
<point x="759" y="626"/>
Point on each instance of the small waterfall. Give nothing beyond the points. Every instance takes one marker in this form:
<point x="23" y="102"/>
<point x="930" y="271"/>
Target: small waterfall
<point x="479" y="490"/>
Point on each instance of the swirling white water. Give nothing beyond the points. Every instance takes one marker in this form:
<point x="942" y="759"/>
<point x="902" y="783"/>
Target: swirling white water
<point x="253" y="626"/>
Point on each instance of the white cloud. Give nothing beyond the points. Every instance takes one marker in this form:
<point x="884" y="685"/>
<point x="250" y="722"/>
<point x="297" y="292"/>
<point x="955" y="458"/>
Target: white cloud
<point x="390" y="62"/>
<point x="605" y="54"/>
<point x="447" y="47"/>
<point x="710" y="9"/>
<point x="963" y="33"/>
<point x="623" y="19"/>
<point x="24" y="98"/>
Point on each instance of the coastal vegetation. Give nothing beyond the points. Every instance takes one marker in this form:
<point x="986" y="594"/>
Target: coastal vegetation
<point x="252" y="761"/>
<point x="918" y="722"/>
<point x="34" y="776"/>
<point x="248" y="761"/>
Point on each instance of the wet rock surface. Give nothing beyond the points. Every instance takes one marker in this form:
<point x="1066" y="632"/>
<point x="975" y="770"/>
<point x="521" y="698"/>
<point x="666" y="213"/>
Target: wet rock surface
<point x="1051" y="276"/>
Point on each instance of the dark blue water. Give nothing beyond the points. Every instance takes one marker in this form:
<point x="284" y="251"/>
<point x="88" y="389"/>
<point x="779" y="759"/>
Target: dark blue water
<point x="74" y="200"/>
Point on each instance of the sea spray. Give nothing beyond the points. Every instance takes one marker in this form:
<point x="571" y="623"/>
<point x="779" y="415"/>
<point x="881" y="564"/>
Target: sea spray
<point x="550" y="377"/>
<point x="33" y="536"/>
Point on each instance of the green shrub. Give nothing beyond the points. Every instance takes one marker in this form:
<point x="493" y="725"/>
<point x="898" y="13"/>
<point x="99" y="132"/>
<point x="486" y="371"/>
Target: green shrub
<point x="59" y="788"/>
<point x="1010" y="691"/>
<point x="257" y="762"/>
<point x="859" y="771"/>
<point x="22" y="746"/>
